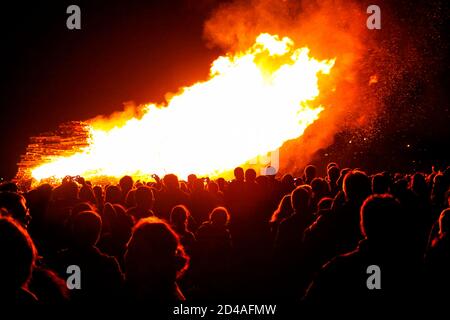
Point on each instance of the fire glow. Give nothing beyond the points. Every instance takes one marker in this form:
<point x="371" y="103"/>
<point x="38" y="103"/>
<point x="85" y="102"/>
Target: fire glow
<point x="252" y="103"/>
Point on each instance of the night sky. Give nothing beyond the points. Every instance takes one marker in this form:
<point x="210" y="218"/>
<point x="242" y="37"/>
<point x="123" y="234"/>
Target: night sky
<point x="140" y="50"/>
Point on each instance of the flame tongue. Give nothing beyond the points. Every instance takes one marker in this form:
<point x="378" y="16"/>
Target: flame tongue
<point x="253" y="102"/>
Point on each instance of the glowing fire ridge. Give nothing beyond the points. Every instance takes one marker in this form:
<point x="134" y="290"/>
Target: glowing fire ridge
<point x="253" y="102"/>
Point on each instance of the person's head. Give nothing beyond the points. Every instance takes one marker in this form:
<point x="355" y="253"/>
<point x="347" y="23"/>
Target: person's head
<point x="8" y="186"/>
<point x="126" y="184"/>
<point x="86" y="227"/>
<point x="444" y="222"/>
<point x="213" y="187"/>
<point x="18" y="255"/>
<point x="191" y="178"/>
<point x="239" y="174"/>
<point x="221" y="182"/>
<point x="68" y="190"/>
<point x="332" y="165"/>
<point x="333" y="174"/>
<point x="310" y="172"/>
<point x="198" y="185"/>
<point x="287" y="180"/>
<point x="98" y="191"/>
<point x="284" y="209"/>
<point x="356" y="186"/>
<point x="419" y="184"/>
<point x="381" y="218"/>
<point x="399" y="187"/>
<point x="154" y="253"/>
<point x="87" y="194"/>
<point x="300" y="199"/>
<point x="439" y="185"/>
<point x="263" y="181"/>
<point x="250" y="175"/>
<point x="38" y="200"/>
<point x="299" y="182"/>
<point x="130" y="200"/>
<point x="325" y="203"/>
<point x="80" y="207"/>
<point x="179" y="216"/>
<point x="113" y="194"/>
<point x="342" y="175"/>
<point x="184" y="187"/>
<point x="319" y="187"/>
<point x="15" y="205"/>
<point x="380" y="184"/>
<point x="219" y="216"/>
<point x="171" y="181"/>
<point x="143" y="197"/>
<point x="121" y="224"/>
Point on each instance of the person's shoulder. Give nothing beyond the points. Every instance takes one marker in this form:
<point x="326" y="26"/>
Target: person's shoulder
<point x="131" y="210"/>
<point x="341" y="262"/>
<point x="204" y="229"/>
<point x="189" y="235"/>
<point x="284" y="223"/>
<point x="105" y="258"/>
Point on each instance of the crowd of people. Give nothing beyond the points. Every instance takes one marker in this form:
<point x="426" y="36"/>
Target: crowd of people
<point x="307" y="240"/>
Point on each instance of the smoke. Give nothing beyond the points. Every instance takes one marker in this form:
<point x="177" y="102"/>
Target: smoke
<point x="331" y="29"/>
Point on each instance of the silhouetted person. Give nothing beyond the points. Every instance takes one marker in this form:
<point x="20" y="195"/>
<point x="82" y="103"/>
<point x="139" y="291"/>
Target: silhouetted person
<point x="290" y="231"/>
<point x="380" y="184"/>
<point x="214" y="233"/>
<point x="118" y="225"/>
<point x="333" y="173"/>
<point x="216" y="197"/>
<point x="438" y="260"/>
<point x="234" y="191"/>
<point x="214" y="254"/>
<point x="222" y="183"/>
<point x="113" y="195"/>
<point x="143" y="198"/>
<point x="86" y="194"/>
<point x="153" y="262"/>
<point x="49" y="288"/>
<point x="126" y="184"/>
<point x="170" y="196"/>
<point x="320" y="189"/>
<point x="67" y="192"/>
<point x="283" y="211"/>
<point x="288" y="242"/>
<point x="130" y="200"/>
<point x="287" y="184"/>
<point x="200" y="201"/>
<point x="8" y="186"/>
<point x="15" y="206"/>
<point x="99" y="197"/>
<point x="38" y="201"/>
<point x="179" y="220"/>
<point x="438" y="191"/>
<point x="323" y="207"/>
<point x="344" y="281"/>
<point x="309" y="173"/>
<point x="337" y="231"/>
<point x="332" y="164"/>
<point x="18" y="256"/>
<point x="101" y="278"/>
<point x="190" y="181"/>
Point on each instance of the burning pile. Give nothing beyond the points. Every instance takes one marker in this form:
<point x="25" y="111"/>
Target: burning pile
<point x="254" y="101"/>
<point x="70" y="138"/>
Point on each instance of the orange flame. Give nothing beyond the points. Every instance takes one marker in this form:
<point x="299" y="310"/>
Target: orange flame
<point x="254" y="101"/>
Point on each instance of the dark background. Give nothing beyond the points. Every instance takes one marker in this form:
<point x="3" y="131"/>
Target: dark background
<point x="140" y="50"/>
